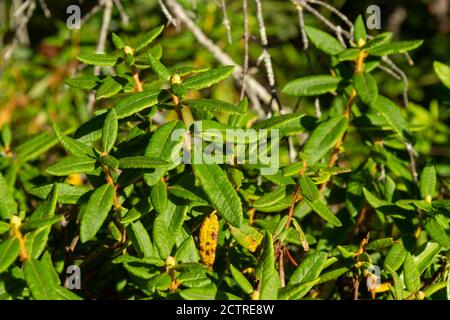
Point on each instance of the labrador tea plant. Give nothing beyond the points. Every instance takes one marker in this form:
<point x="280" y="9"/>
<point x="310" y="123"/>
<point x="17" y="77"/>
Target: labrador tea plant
<point x="354" y="214"/>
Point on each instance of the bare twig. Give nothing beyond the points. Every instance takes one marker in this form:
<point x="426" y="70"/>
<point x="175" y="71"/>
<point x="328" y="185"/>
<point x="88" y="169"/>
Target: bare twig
<point x="389" y="71"/>
<point x="91" y="13"/>
<point x="402" y="75"/>
<point x="292" y="206"/>
<point x="266" y="56"/>
<point x="326" y="21"/>
<point x="44" y="8"/>
<point x="317" y="107"/>
<point x="123" y="14"/>
<point x="253" y="87"/>
<point x="301" y="23"/>
<point x="339" y="14"/>
<point x="170" y="19"/>
<point x="291" y="149"/>
<point x="101" y="46"/>
<point x="281" y="265"/>
<point x="412" y="161"/>
<point x="226" y="21"/>
<point x="339" y="36"/>
<point x="246" y="39"/>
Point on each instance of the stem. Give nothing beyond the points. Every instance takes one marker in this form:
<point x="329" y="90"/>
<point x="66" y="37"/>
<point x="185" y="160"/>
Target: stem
<point x="359" y="67"/>
<point x="282" y="276"/>
<point x="291" y="207"/>
<point x="139" y="84"/>
<point x="289" y="256"/>
<point x="117" y="205"/>
<point x="23" y="248"/>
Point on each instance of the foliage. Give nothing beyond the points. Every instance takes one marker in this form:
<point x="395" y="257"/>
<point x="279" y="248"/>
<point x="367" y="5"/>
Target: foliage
<point x="142" y="224"/>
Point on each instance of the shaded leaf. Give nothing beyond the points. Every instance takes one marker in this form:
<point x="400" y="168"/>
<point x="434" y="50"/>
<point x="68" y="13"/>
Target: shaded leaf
<point x="109" y="131"/>
<point x="312" y="85"/>
<point x="96" y="211"/>
<point x="208" y="78"/>
<point x="366" y="87"/>
<point x="220" y="192"/>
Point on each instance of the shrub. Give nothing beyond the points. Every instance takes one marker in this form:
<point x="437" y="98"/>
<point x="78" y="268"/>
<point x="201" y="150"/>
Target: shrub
<point x="145" y="218"/>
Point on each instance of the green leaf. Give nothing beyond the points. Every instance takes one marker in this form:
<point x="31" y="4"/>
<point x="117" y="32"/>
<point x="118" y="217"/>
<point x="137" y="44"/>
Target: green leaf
<point x="161" y="71"/>
<point x="39" y="279"/>
<point x="395" y="257"/>
<point x="366" y="87"/>
<point x="391" y="114"/>
<point x="147" y="38"/>
<point x="132" y="215"/>
<point x="267" y="274"/>
<point x="241" y="280"/>
<point x="109" y="131"/>
<point x="161" y="145"/>
<point x="9" y="251"/>
<point x="8" y="205"/>
<point x="270" y="198"/>
<point x="136" y="102"/>
<point x="426" y="257"/>
<point x="85" y="82"/>
<point x="36" y="241"/>
<point x="71" y="145"/>
<point x="109" y="161"/>
<point x="296" y="291"/>
<point x="443" y="72"/>
<point x="204" y="293"/>
<point x="412" y="276"/>
<point x="360" y="29"/>
<point x="279" y="122"/>
<point x="162" y="237"/>
<point x="398" y="285"/>
<point x="6" y="135"/>
<point x="97" y="59"/>
<point x="117" y="41"/>
<point x="308" y="188"/>
<point x="72" y="164"/>
<point x="437" y="232"/>
<point x="323" y="211"/>
<point x="312" y="85"/>
<point x="332" y="274"/>
<point x="377" y="245"/>
<point x="158" y="196"/>
<point x="208" y="78"/>
<point x="374" y="201"/>
<point x="350" y="54"/>
<point x="67" y="194"/>
<point x="140" y="239"/>
<point x="4" y="227"/>
<point x="108" y="88"/>
<point x="324" y="41"/>
<point x="141" y="162"/>
<point x="40" y="222"/>
<point x="65" y="294"/>
<point x="218" y="106"/>
<point x="247" y="236"/>
<point x="96" y="211"/>
<point x="309" y="269"/>
<point x="394" y="48"/>
<point x="220" y="192"/>
<point x="378" y="40"/>
<point x="323" y="138"/>
<point x="91" y="130"/>
<point x="428" y="182"/>
<point x="187" y="251"/>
